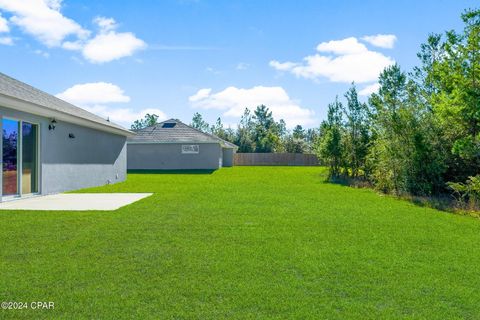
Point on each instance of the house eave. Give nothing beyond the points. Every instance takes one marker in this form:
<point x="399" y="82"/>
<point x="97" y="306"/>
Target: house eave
<point x="39" y="110"/>
<point x="174" y="142"/>
<point x="223" y="145"/>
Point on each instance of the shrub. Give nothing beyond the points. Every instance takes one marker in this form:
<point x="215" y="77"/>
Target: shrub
<point x="467" y="194"/>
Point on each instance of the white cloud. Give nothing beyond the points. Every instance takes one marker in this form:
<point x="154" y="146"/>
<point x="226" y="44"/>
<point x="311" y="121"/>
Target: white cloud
<point x="110" y="45"/>
<point x="381" y="40"/>
<point x="105" y="24"/>
<point x="349" y="61"/>
<point x="200" y="95"/>
<point x="4" y="28"/>
<point x="282" y="66"/>
<point x="123" y="116"/>
<point x="213" y="71"/>
<point x="4" y="24"/>
<point x="242" y="66"/>
<point x="369" y="89"/>
<point x="6" y="41"/>
<point x="94" y="93"/>
<point x="233" y="101"/>
<point x="43" y="20"/>
<point x="42" y="53"/>
<point x="340" y="47"/>
<point x="96" y="97"/>
<point x="163" y="47"/>
<point x="72" y="45"/>
<point x="54" y="4"/>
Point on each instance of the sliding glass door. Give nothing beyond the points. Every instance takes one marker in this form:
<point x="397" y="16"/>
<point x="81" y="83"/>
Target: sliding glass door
<point x="20" y="158"/>
<point x="11" y="129"/>
<point x="29" y="158"/>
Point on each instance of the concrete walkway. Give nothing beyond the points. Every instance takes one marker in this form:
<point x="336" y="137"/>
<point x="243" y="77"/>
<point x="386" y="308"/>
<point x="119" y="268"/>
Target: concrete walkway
<point x="74" y="201"/>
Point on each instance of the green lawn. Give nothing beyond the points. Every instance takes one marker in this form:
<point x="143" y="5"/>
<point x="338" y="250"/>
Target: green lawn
<point x="244" y="243"/>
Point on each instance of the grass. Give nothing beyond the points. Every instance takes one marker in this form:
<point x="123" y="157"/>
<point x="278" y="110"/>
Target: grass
<point x="443" y="202"/>
<point x="243" y="243"/>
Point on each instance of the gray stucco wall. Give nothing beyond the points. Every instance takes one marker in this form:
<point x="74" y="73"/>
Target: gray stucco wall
<point x="228" y="157"/>
<point x="168" y="156"/>
<point x="92" y="158"/>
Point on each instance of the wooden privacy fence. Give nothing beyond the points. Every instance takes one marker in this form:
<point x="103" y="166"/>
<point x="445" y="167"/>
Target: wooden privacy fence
<point x="275" y="159"/>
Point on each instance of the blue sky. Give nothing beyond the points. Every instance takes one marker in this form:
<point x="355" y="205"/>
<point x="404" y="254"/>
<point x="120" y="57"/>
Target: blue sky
<point x="175" y="57"/>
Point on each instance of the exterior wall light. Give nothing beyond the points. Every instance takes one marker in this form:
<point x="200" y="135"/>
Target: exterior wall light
<point x="52" y="124"/>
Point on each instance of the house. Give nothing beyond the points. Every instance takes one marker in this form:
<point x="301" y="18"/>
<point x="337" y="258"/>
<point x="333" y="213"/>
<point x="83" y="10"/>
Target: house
<point x="172" y="145"/>
<point x="51" y="146"/>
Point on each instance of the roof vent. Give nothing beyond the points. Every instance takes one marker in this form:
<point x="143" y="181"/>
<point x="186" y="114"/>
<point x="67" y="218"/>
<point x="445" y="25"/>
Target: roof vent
<point x="168" y="125"/>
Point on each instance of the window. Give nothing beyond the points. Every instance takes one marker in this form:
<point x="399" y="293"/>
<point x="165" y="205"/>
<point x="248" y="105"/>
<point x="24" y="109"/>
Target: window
<point x="168" y="125"/>
<point x="190" y="148"/>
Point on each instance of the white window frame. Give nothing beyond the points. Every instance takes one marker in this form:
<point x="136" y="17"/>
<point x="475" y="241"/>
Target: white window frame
<point x="190" y="149"/>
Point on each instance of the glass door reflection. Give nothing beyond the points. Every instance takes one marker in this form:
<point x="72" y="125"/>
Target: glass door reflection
<point x="10" y="156"/>
<point x="29" y="158"/>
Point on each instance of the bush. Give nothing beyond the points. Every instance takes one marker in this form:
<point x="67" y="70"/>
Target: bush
<point x="467" y="194"/>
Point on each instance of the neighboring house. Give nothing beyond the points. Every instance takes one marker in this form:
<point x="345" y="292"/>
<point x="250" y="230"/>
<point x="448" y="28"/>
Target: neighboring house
<point x="51" y="146"/>
<point x="172" y="145"/>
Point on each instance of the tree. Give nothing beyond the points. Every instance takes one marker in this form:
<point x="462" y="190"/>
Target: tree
<point x="405" y="155"/>
<point x="282" y="128"/>
<point x="244" y="138"/>
<point x="298" y="132"/>
<point x="148" y="121"/>
<point x="294" y="145"/>
<point x="357" y="132"/>
<point x="450" y="77"/>
<point x="330" y="148"/>
<point x="311" y="137"/>
<point x="199" y="123"/>
<point x="266" y="130"/>
<point x="218" y="129"/>
<point x="296" y="142"/>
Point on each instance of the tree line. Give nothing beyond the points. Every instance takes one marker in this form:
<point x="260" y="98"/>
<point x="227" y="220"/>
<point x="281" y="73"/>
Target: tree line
<point x="420" y="134"/>
<point x="258" y="131"/>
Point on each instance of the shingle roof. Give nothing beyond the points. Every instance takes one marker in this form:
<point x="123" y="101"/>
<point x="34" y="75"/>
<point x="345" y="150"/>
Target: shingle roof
<point x="16" y="89"/>
<point x="180" y="133"/>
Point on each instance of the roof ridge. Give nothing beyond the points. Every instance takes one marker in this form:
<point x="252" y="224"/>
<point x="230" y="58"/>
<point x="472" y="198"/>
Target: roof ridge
<point x="205" y="133"/>
<point x="182" y="132"/>
<point x="211" y="135"/>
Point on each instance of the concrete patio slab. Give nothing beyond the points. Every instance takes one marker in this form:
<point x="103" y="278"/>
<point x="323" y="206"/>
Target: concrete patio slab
<point x="75" y="202"/>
